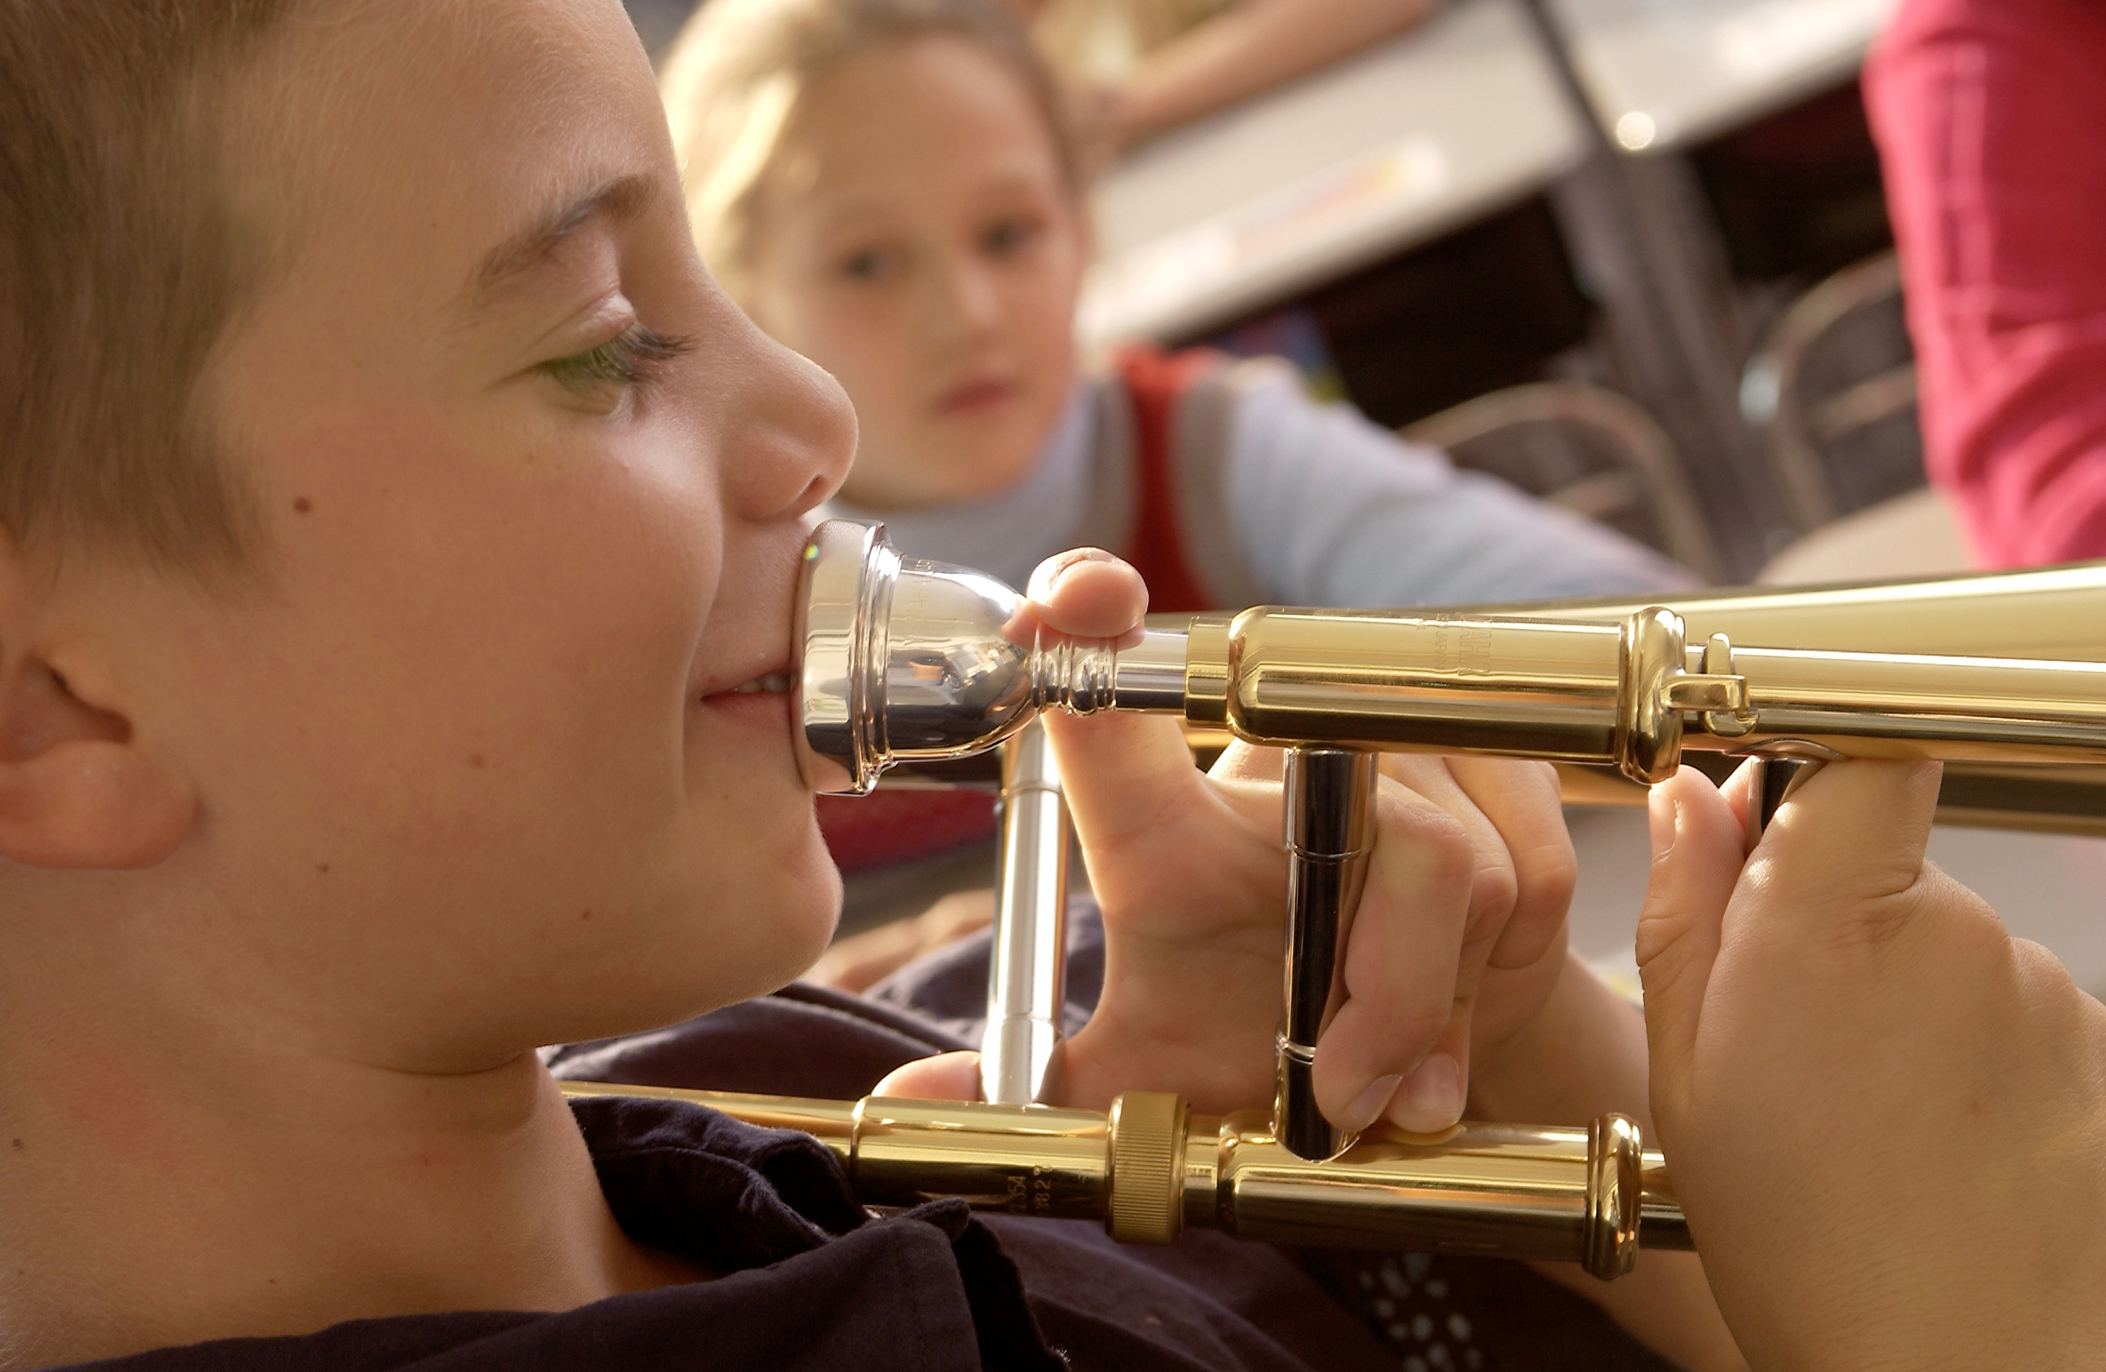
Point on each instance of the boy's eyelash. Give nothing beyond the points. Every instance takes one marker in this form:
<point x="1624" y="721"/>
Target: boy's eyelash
<point x="628" y="360"/>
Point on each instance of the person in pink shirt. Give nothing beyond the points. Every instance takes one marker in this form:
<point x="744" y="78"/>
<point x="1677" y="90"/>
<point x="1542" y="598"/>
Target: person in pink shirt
<point x="1991" y="122"/>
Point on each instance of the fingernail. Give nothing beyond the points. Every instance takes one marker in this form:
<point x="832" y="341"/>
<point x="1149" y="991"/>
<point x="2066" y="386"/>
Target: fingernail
<point x="1076" y="560"/>
<point x="1660" y="820"/>
<point x="1431" y="1098"/>
<point x="1367" y="1107"/>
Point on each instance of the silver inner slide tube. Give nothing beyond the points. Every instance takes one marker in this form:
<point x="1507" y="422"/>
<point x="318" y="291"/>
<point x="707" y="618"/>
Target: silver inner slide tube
<point x="1021" y="1053"/>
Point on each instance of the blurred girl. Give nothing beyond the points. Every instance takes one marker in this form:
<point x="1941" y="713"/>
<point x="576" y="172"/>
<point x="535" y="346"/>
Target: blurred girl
<point x="888" y="187"/>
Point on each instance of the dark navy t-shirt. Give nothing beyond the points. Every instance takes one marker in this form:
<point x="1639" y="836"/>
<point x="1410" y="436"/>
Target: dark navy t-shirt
<point x="813" y="1281"/>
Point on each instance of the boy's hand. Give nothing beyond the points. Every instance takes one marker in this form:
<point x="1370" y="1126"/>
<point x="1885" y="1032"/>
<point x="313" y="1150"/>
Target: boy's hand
<point x="1885" y="1117"/>
<point x="1459" y="938"/>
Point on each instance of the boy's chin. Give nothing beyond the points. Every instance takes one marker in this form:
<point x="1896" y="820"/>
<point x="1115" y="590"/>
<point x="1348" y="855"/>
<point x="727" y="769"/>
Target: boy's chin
<point x="783" y="927"/>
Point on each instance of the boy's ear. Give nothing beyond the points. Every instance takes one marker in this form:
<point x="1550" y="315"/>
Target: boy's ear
<point x="75" y="789"/>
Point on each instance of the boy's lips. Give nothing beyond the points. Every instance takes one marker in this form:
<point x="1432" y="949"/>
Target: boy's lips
<point x="774" y="681"/>
<point x="777" y="683"/>
<point x="759" y="705"/>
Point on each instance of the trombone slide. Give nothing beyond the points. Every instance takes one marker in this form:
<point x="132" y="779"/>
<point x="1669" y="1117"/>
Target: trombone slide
<point x="1022" y="1057"/>
<point x="1150" y="1168"/>
<point x="906" y="663"/>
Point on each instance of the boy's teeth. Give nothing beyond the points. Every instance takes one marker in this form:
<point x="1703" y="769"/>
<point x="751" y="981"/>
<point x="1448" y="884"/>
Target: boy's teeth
<point x="776" y="682"/>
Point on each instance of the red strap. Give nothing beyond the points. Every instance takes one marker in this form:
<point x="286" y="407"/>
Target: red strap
<point x="1157" y="381"/>
<point x="897" y="826"/>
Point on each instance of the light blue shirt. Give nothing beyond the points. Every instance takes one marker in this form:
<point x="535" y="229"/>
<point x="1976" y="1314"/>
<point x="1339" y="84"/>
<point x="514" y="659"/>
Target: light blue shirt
<point x="1324" y="507"/>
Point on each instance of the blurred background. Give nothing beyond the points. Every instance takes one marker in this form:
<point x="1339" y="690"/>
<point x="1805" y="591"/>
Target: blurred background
<point x="1633" y="257"/>
<point x="1629" y="200"/>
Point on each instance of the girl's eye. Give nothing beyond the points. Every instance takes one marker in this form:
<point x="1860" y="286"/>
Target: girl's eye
<point x="1007" y="237"/>
<point x="627" y="362"/>
<point x="871" y="265"/>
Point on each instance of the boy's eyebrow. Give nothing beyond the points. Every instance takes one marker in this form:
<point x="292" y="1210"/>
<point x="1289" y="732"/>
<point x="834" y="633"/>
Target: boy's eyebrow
<point x="620" y="199"/>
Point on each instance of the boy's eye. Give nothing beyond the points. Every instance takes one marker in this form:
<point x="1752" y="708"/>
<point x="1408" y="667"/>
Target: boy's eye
<point x="625" y="363"/>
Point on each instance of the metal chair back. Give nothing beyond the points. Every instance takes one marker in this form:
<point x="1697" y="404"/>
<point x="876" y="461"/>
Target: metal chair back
<point x="1590" y="450"/>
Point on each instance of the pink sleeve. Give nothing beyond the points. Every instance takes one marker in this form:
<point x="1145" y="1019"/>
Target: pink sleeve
<point x="1991" y="121"/>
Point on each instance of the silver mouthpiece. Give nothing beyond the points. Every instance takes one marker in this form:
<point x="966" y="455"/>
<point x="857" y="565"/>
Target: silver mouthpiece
<point x="907" y="660"/>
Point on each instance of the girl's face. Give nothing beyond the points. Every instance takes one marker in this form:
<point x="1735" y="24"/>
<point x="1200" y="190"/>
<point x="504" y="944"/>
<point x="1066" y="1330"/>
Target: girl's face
<point x="471" y="771"/>
<point x="915" y="236"/>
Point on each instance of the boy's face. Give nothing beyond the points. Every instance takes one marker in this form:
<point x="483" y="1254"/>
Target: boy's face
<point x="471" y="775"/>
<point x="914" y="235"/>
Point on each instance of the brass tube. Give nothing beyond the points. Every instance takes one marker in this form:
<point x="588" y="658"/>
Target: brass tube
<point x="907" y="665"/>
<point x="1630" y="695"/>
<point x="2050" y="797"/>
<point x="1147" y="1169"/>
<point x="2044" y="613"/>
<point x="832" y="1122"/>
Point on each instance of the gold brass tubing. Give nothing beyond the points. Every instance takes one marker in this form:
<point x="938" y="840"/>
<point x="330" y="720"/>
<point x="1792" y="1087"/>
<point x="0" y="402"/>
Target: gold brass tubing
<point x="1661" y="1223"/>
<point x="1036" y="1160"/>
<point x="1888" y="705"/>
<point x="1208" y="648"/>
<point x="1202" y="1180"/>
<point x="832" y="1122"/>
<point x="1589" y="1195"/>
<point x="1445" y="683"/>
<point x="2044" y="613"/>
<point x="1493" y="1189"/>
<point x="2054" y="798"/>
<point x="2060" y="798"/>
<point x="1632" y="693"/>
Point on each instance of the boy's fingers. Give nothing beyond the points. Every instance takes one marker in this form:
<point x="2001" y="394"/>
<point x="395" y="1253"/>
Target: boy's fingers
<point x="1851" y="837"/>
<point x="1698" y="850"/>
<point x="1421" y="1095"/>
<point x="1124" y="775"/>
<point x="1493" y="881"/>
<point x="1127" y="778"/>
<point x="1520" y="800"/>
<point x="947" y="1076"/>
<point x="1400" y="965"/>
<point x="1088" y="593"/>
<point x="1242" y="761"/>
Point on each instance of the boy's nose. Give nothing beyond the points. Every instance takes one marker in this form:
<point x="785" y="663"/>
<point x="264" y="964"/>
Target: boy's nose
<point x="797" y="436"/>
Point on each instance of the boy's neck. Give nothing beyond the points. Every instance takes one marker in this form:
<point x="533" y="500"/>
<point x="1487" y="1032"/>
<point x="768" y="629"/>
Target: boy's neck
<point x="157" y="1193"/>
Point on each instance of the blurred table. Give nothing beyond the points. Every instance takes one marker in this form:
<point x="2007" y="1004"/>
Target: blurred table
<point x="2050" y="888"/>
<point x="658" y="22"/>
<point x="1661" y="74"/>
<point x="1386" y="150"/>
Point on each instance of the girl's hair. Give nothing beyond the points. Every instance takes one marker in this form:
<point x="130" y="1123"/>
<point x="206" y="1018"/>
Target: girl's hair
<point x="733" y="81"/>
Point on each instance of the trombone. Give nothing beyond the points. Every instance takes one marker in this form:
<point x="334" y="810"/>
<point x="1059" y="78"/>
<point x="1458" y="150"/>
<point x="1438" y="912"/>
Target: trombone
<point x="911" y="665"/>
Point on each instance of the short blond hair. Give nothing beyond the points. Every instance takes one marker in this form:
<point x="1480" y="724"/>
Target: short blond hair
<point x="122" y="263"/>
<point x="733" y="80"/>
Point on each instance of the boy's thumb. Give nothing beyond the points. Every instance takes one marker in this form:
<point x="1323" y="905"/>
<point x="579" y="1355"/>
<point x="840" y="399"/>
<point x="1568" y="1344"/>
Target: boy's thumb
<point x="1698" y="848"/>
<point x="1851" y="838"/>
